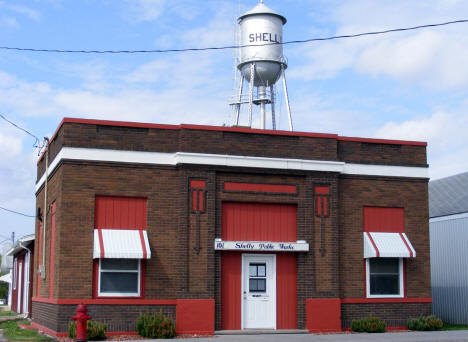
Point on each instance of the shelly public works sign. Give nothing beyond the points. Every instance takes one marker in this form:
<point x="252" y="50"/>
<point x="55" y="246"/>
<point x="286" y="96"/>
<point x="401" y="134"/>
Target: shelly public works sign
<point x="298" y="246"/>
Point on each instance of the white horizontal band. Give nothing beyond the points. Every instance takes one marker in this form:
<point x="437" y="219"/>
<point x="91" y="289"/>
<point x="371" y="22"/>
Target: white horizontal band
<point x="158" y="158"/>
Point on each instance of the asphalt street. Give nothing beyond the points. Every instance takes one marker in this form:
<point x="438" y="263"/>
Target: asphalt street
<point x="427" y="336"/>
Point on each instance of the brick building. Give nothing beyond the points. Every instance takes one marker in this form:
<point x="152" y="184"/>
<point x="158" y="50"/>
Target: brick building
<point x="228" y="228"/>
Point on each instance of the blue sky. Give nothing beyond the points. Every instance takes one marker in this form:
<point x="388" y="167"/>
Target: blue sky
<point x="410" y="85"/>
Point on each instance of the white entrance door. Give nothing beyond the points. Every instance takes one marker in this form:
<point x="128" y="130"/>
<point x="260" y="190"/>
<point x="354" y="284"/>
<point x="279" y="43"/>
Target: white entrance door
<point x="259" y="291"/>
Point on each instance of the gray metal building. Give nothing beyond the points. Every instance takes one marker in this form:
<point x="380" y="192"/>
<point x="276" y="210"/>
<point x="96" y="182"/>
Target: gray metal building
<point x="448" y="211"/>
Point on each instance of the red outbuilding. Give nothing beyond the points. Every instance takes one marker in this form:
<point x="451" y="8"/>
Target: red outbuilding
<point x="22" y="274"/>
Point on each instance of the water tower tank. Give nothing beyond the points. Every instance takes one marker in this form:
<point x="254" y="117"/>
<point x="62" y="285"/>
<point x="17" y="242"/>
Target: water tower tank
<point x="263" y="28"/>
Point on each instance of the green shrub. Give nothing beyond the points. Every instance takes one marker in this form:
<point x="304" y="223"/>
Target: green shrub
<point x="425" y="323"/>
<point x="370" y="324"/>
<point x="155" y="326"/>
<point x="95" y="331"/>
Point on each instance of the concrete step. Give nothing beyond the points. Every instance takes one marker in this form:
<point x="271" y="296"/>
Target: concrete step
<point x="261" y="332"/>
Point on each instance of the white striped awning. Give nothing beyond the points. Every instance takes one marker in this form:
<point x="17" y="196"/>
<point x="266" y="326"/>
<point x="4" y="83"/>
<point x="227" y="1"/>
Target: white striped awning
<point x="387" y="245"/>
<point x="121" y="244"/>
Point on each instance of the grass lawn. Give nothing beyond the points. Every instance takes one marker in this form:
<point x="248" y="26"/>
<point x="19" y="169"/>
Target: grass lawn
<point x="7" y="313"/>
<point x="13" y="333"/>
<point x="448" y="326"/>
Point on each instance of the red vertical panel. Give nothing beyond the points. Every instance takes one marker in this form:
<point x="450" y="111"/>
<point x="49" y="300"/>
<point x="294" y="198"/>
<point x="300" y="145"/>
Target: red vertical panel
<point x="319" y="205"/>
<point x="194" y="200"/>
<point x="379" y="219"/>
<point x="286" y="291"/>
<point x="142" y="214"/>
<point x="109" y="205"/>
<point x="258" y="222"/>
<point x="117" y="220"/>
<point x="231" y="270"/>
<point x="52" y="251"/>
<point x="120" y="213"/>
<point x="201" y="205"/>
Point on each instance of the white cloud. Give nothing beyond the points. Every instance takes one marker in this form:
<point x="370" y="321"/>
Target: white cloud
<point x="19" y="9"/>
<point x="17" y="175"/>
<point x="9" y="145"/>
<point x="434" y="58"/>
<point x="426" y="128"/>
<point x="8" y="22"/>
<point x="445" y="134"/>
<point x="145" y="10"/>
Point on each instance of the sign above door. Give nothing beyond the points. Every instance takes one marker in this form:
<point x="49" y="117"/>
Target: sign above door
<point x="262" y="246"/>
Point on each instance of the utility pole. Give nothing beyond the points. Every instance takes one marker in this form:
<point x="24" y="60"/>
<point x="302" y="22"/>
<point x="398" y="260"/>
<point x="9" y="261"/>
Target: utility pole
<point x="12" y="238"/>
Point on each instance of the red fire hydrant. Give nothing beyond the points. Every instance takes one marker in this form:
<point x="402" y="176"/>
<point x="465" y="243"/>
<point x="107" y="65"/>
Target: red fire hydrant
<point x="81" y="319"/>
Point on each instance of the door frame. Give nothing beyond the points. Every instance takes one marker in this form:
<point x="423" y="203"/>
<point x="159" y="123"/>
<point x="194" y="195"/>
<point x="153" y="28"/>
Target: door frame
<point x="247" y="255"/>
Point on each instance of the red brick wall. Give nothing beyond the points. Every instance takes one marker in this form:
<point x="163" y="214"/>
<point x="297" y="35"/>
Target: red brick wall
<point x="54" y="194"/>
<point x="355" y="193"/>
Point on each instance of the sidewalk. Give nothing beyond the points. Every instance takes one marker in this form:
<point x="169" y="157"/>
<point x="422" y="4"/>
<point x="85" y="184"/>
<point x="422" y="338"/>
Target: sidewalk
<point x="413" y="336"/>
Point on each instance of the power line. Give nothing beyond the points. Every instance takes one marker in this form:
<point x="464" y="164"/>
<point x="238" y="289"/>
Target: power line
<point x="372" y="33"/>
<point x="17" y="212"/>
<point x="36" y="143"/>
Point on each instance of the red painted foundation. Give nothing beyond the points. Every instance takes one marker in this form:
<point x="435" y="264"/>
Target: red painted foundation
<point x="195" y="316"/>
<point x="323" y="315"/>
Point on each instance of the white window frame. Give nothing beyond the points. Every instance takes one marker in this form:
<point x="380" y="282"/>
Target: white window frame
<point x="402" y="288"/>
<point x="120" y="294"/>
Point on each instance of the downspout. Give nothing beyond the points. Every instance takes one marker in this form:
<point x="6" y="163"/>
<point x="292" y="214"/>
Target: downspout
<point x="42" y="267"/>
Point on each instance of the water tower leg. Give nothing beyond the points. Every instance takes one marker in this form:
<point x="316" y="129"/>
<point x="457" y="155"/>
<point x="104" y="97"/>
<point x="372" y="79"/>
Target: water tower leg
<point x="287" y="98"/>
<point x="239" y="98"/>
<point x="273" y="118"/>
<point x="251" y="86"/>
<point x="262" y="96"/>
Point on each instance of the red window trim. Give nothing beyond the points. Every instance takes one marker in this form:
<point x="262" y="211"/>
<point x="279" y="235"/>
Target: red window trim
<point x="197" y="196"/>
<point x="197" y="184"/>
<point x="322" y="201"/>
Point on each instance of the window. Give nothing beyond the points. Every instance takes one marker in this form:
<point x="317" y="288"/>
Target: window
<point x="257" y="278"/>
<point x="384" y="277"/>
<point x="119" y="277"/>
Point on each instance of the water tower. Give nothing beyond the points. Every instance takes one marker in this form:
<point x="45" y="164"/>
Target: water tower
<point x="261" y="62"/>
